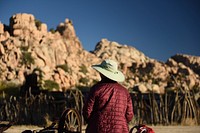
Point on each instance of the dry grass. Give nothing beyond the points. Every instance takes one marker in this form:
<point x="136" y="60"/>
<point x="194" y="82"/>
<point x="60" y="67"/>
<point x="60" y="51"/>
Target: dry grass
<point x="189" y="122"/>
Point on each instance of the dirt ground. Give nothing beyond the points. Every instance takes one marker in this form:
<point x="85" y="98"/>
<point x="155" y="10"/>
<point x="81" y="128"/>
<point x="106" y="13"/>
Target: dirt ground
<point x="157" y="129"/>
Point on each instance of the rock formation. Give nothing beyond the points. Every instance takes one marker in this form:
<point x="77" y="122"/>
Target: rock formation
<point x="27" y="47"/>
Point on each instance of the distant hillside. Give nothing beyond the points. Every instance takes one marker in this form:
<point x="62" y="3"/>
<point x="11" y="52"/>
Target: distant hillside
<point x="56" y="60"/>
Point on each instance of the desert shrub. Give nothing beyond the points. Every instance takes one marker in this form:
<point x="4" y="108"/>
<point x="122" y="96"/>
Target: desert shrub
<point x="83" y="69"/>
<point x="24" y="48"/>
<point x="38" y="23"/>
<point x="84" y="80"/>
<point x="50" y="85"/>
<point x="156" y="81"/>
<point x="95" y="82"/>
<point x="27" y="59"/>
<point x="65" y="67"/>
<point x="52" y="30"/>
<point x="83" y="88"/>
<point x="9" y="89"/>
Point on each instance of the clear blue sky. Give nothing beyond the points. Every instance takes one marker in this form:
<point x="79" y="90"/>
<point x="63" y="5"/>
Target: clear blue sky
<point x="158" y="28"/>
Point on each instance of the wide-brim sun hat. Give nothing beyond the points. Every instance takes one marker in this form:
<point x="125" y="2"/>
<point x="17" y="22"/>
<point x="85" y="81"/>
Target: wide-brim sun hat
<point x="109" y="68"/>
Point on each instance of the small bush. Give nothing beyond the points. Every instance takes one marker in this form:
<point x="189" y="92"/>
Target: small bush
<point x="95" y="82"/>
<point x="9" y="89"/>
<point x="24" y="48"/>
<point x="83" y="69"/>
<point x="65" y="67"/>
<point x="83" y="88"/>
<point x="50" y="85"/>
<point x="27" y="59"/>
<point x="38" y="23"/>
<point x="84" y="80"/>
<point x="52" y="30"/>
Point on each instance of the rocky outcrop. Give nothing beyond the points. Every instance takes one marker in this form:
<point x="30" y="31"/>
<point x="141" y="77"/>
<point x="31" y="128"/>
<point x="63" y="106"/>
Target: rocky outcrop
<point x="27" y="47"/>
<point x="193" y="62"/>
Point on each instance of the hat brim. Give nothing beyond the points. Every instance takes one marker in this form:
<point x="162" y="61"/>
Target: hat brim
<point x="117" y="76"/>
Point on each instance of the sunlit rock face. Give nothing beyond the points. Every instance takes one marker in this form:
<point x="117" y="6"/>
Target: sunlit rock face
<point x="27" y="47"/>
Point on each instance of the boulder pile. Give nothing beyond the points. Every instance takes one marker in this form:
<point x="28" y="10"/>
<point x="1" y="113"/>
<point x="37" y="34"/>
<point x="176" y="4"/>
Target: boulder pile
<point x="27" y="47"/>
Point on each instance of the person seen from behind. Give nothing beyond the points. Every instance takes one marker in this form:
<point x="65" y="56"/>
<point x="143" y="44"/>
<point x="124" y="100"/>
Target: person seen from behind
<point x="108" y="108"/>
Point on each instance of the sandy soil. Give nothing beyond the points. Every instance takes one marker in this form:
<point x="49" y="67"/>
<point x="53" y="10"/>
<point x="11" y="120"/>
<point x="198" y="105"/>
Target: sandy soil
<point x="176" y="129"/>
<point x="157" y="129"/>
